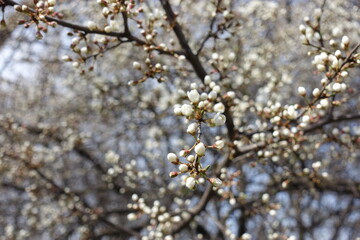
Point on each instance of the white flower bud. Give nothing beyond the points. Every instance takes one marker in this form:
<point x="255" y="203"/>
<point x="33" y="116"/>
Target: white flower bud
<point x="232" y="56"/>
<point x="186" y="109"/>
<point x="183" y="168"/>
<point x="84" y="50"/>
<point x="302" y="91"/>
<point x="131" y="216"/>
<point x="51" y="2"/>
<point x="316" y="92"/>
<point x="190" y="158"/>
<point x="219" y="119"/>
<point x="216" y="182"/>
<point x="336" y="87"/>
<point x="265" y="197"/>
<point x="66" y="58"/>
<point x="317" y="13"/>
<point x="215" y="56"/>
<point x="305" y="119"/>
<point x="302" y="28"/>
<point x="105" y="11"/>
<point x="172" y="157"/>
<point x="324" y="103"/>
<point x="207" y="80"/>
<point x="203" y="96"/>
<point x="200" y="149"/>
<point x="246" y="236"/>
<point x="345" y="40"/>
<point x="316" y="165"/>
<point x="212" y="95"/>
<point x="344" y="74"/>
<point x="219" y="107"/>
<point x="191" y="128"/>
<point x="338" y="53"/>
<point x="193" y="96"/>
<point x="92" y="25"/>
<point x="231" y="94"/>
<point x="219" y="144"/>
<point x="190" y="183"/>
<point x="177" y="110"/>
<point x="136" y="65"/>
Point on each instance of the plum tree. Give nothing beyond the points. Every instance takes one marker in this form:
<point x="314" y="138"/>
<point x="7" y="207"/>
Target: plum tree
<point x="175" y="119"/>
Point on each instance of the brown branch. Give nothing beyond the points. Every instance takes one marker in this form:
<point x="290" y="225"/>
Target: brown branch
<point x="119" y="35"/>
<point x="331" y="120"/>
<point x="190" y="56"/>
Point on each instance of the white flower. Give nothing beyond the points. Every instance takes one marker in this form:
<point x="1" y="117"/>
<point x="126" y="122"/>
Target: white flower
<point x="219" y="119"/>
<point x="191" y="129"/>
<point x="200" y="149"/>
<point x="91" y="25"/>
<point x="219" y="144"/>
<point x="219" y="107"/>
<point x="183" y="168"/>
<point x="172" y="158"/>
<point x="190" y="183"/>
<point x="193" y="96"/>
<point x="186" y="109"/>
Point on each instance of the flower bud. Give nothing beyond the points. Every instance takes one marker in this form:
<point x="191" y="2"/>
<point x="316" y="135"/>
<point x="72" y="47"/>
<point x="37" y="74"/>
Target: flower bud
<point x="136" y="65"/>
<point x="92" y="25"/>
<point x="191" y="128"/>
<point x="186" y="109"/>
<point x="172" y="158"/>
<point x="193" y="96"/>
<point x="219" y="119"/>
<point x="219" y="107"/>
<point x="183" y="168"/>
<point x="190" y="183"/>
<point x="219" y="144"/>
<point x="216" y="182"/>
<point x="173" y="174"/>
<point x="200" y="149"/>
<point x="302" y="91"/>
<point x="316" y="92"/>
<point x="336" y="87"/>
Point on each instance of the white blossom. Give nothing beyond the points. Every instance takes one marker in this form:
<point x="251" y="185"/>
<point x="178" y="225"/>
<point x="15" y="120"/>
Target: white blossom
<point x="219" y="119"/>
<point x="193" y="96"/>
<point x="219" y="107"/>
<point x="186" y="109"/>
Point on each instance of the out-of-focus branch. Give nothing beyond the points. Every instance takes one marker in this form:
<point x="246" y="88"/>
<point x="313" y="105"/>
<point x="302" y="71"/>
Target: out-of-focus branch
<point x="125" y="36"/>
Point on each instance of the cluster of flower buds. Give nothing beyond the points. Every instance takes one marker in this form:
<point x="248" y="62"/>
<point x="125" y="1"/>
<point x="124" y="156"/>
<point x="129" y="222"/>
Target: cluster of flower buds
<point x="205" y="108"/>
<point x="39" y="15"/>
